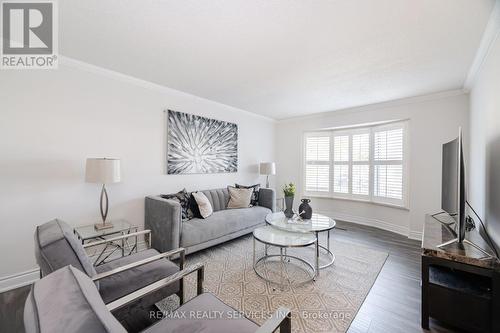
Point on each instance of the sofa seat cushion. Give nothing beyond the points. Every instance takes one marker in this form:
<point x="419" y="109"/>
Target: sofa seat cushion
<point x="193" y="317"/>
<point x="121" y="284"/>
<point x="221" y="223"/>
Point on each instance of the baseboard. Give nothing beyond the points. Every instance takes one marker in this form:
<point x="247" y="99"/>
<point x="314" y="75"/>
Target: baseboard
<point x="25" y="278"/>
<point x="371" y="222"/>
<point x="19" y="280"/>
<point x="416" y="235"/>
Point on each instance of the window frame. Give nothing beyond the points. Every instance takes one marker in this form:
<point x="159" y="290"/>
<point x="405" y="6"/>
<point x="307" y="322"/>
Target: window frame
<point x="370" y="198"/>
<point x="317" y="162"/>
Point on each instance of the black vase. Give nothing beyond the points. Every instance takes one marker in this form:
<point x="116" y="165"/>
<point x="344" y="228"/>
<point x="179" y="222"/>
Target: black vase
<point x="289" y="207"/>
<point x="305" y="211"/>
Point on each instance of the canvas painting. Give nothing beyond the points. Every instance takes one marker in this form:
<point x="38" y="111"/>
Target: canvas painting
<point x="198" y="144"/>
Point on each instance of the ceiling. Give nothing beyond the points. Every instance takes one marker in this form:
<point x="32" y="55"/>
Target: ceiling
<point x="281" y="58"/>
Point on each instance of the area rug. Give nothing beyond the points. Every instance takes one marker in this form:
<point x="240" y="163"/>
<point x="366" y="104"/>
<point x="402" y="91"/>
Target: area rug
<point x="328" y="304"/>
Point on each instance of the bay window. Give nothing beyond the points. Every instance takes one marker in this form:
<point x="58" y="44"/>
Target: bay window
<point x="363" y="163"/>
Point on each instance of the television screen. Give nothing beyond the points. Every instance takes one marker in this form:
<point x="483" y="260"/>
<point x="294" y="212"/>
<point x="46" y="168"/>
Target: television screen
<point x="450" y="182"/>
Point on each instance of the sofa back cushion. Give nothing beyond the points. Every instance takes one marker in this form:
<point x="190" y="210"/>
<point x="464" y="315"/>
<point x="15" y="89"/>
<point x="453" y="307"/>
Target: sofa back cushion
<point x="67" y="301"/>
<point x="218" y="198"/>
<point x="56" y="246"/>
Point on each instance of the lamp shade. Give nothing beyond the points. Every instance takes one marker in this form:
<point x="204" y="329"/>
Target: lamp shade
<point x="267" y="168"/>
<point x="102" y="170"/>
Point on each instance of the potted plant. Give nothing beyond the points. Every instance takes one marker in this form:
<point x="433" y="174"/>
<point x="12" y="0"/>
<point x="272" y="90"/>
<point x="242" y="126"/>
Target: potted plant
<point x="289" y="191"/>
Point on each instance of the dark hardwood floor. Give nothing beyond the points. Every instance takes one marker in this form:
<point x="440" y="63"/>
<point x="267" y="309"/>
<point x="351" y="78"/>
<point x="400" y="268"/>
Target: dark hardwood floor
<point x="393" y="304"/>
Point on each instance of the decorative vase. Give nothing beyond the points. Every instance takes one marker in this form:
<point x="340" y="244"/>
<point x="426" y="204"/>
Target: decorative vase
<point x="289" y="207"/>
<point x="305" y="211"/>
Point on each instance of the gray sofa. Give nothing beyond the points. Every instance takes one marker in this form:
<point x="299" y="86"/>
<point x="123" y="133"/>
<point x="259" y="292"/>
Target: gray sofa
<point x="163" y="218"/>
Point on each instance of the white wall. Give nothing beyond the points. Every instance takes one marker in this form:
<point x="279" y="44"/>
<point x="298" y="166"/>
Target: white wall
<point x="484" y="176"/>
<point x="51" y="121"/>
<point x="433" y="120"/>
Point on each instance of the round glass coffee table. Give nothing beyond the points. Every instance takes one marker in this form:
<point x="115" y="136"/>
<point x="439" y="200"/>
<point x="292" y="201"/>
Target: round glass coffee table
<point x="271" y="236"/>
<point x="318" y="223"/>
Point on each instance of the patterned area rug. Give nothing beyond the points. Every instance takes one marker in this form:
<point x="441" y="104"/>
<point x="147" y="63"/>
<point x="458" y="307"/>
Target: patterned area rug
<point x="327" y="305"/>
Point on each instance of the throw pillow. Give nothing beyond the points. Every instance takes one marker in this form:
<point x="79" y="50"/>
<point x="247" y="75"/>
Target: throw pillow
<point x="194" y="206"/>
<point x="255" y="194"/>
<point x="239" y="197"/>
<point x="203" y="204"/>
<point x="182" y="197"/>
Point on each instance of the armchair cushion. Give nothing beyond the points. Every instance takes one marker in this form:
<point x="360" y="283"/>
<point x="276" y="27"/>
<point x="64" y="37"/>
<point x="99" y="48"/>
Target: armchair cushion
<point x="121" y="284"/>
<point x="67" y="301"/>
<point x="224" y="318"/>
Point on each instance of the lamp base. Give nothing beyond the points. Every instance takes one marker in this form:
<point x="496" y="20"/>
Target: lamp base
<point x="102" y="226"/>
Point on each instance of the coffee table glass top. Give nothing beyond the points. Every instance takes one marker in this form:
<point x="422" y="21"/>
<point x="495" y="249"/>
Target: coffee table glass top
<point x="278" y="237"/>
<point x="317" y="223"/>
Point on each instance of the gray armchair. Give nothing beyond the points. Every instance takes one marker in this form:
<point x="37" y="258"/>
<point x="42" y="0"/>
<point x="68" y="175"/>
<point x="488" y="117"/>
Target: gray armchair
<point x="68" y="301"/>
<point x="56" y="246"/>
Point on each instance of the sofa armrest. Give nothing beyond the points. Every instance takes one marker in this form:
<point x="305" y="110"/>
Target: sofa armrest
<point x="163" y="218"/>
<point x="267" y="198"/>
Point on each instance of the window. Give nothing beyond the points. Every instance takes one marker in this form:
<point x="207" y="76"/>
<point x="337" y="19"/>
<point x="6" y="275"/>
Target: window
<point x="364" y="163"/>
<point x="318" y="163"/>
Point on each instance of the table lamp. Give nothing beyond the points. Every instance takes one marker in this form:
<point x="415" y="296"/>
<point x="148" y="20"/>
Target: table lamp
<point x="267" y="168"/>
<point x="103" y="171"/>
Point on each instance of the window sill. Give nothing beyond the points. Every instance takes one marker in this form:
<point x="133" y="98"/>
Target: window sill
<point x="357" y="200"/>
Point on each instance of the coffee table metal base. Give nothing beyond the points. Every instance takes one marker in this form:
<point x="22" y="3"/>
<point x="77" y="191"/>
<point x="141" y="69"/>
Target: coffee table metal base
<point x="326" y="249"/>
<point x="284" y="261"/>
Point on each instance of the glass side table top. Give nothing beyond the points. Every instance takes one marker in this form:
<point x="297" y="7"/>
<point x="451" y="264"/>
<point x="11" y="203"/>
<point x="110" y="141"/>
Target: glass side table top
<point x="89" y="232"/>
<point x="317" y="223"/>
<point x="277" y="237"/>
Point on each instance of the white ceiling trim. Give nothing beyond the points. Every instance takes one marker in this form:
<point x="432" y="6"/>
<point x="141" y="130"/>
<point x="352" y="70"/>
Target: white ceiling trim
<point x="388" y="104"/>
<point x="491" y="34"/>
<point x="81" y="65"/>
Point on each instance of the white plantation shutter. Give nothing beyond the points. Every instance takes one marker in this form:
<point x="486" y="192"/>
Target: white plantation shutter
<point x="341" y="148"/>
<point x="341" y="178"/>
<point x="361" y="147"/>
<point x="361" y="164"/>
<point x="388" y="163"/>
<point x="317" y="151"/>
<point x="364" y="163"/>
<point x="341" y="164"/>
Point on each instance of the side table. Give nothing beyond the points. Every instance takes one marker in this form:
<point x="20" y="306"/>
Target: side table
<point x="88" y="234"/>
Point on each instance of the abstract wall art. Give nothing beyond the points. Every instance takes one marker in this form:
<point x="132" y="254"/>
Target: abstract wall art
<point x="197" y="144"/>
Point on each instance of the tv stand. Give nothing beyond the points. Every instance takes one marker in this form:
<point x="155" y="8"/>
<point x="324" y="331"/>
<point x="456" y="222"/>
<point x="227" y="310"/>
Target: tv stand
<point x="460" y="281"/>
<point x="465" y="246"/>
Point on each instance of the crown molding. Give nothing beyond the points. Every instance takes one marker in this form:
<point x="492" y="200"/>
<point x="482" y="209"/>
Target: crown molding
<point x="81" y="65"/>
<point x="388" y="104"/>
<point x="490" y="35"/>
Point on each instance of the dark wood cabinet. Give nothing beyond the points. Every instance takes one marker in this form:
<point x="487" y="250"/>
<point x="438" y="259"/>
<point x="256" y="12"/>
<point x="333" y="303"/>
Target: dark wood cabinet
<point x="460" y="284"/>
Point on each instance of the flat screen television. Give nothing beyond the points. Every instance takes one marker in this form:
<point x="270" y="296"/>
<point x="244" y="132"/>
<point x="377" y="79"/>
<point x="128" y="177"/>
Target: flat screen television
<point x="453" y="184"/>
